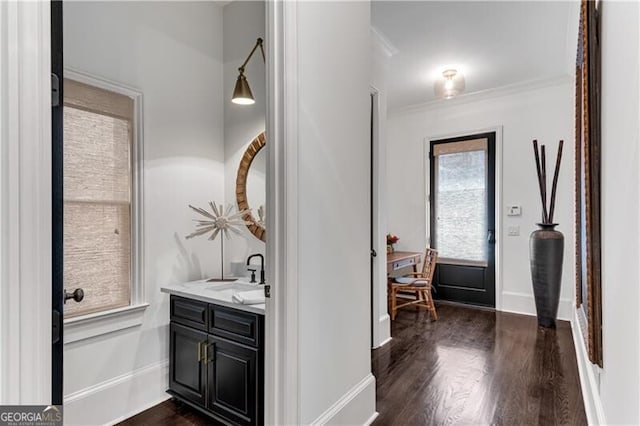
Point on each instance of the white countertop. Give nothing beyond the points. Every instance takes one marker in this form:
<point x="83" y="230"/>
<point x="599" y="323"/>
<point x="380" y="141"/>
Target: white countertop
<point x="218" y="293"/>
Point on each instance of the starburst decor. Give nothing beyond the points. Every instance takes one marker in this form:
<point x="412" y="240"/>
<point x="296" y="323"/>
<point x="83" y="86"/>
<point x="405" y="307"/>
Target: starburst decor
<point x="218" y="222"/>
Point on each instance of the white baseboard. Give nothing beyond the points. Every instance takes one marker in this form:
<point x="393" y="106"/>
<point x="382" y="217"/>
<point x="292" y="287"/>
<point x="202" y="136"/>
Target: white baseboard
<point x="372" y="419"/>
<point x="588" y="377"/>
<point x="384" y="331"/>
<point x="384" y="342"/>
<point x="356" y="407"/>
<point x="119" y="398"/>
<point x="524" y="303"/>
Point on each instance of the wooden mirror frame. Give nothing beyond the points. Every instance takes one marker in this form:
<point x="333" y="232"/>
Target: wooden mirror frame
<point x="241" y="186"/>
<point x="587" y="181"/>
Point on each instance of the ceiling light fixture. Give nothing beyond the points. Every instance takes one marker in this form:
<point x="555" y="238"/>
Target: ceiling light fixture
<point x="451" y="84"/>
<point x="242" y="92"/>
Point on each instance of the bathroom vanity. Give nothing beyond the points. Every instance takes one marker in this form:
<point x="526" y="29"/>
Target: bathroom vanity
<point x="216" y="346"/>
<point x="216" y="351"/>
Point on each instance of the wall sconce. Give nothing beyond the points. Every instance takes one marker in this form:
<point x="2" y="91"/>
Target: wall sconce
<point x="451" y="84"/>
<point x="242" y="92"/>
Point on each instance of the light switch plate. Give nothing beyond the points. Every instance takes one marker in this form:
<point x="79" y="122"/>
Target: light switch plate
<point x="513" y="231"/>
<point x="514" y="210"/>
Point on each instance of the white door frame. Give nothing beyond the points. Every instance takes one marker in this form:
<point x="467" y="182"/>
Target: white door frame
<point x="281" y="355"/>
<point x="25" y="203"/>
<point x="498" y="202"/>
<point x="381" y="322"/>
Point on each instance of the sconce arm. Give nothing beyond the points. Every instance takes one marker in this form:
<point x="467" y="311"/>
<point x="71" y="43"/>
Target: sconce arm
<point x="258" y="43"/>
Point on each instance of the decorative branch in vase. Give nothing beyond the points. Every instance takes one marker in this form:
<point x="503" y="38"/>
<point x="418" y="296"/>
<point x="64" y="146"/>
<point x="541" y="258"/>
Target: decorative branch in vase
<point x="546" y="245"/>
<point x="219" y="222"/>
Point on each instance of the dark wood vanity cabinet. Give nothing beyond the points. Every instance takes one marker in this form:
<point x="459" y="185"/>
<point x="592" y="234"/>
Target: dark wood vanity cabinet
<point x="234" y="383"/>
<point x="187" y="372"/>
<point x="216" y="360"/>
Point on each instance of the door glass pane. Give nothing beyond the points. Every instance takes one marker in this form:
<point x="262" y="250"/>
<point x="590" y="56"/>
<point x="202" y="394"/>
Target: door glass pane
<point x="461" y="206"/>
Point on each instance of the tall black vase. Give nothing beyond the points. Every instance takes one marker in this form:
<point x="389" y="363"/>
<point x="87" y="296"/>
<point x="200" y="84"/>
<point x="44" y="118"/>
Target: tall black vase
<point x="546" y="248"/>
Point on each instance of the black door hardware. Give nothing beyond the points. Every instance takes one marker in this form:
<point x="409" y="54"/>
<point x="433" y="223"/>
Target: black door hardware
<point x="77" y="295"/>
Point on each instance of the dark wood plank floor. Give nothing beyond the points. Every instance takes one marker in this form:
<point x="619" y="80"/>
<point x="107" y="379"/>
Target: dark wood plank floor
<point x="470" y="367"/>
<point x="477" y="367"/>
<point x="169" y="413"/>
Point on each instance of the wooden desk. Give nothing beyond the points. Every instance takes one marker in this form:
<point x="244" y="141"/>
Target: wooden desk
<point x="399" y="260"/>
<point x="402" y="259"/>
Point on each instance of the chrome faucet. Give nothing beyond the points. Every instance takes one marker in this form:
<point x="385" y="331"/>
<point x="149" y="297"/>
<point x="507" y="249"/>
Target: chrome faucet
<point x="261" y="266"/>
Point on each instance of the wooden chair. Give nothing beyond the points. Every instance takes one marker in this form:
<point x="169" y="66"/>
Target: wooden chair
<point x="419" y="284"/>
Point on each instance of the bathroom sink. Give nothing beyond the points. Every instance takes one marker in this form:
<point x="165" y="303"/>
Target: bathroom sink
<point x="219" y="291"/>
<point x="234" y="287"/>
<point x="227" y="291"/>
<point x="217" y="284"/>
<point x="202" y="284"/>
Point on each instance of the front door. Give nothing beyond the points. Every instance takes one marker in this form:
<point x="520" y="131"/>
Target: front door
<point x="462" y="212"/>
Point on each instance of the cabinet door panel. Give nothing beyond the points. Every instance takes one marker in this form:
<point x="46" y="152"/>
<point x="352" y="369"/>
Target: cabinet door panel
<point x="187" y="375"/>
<point x="233" y="386"/>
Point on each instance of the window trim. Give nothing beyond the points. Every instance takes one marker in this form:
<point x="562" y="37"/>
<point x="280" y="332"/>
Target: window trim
<point x="98" y="323"/>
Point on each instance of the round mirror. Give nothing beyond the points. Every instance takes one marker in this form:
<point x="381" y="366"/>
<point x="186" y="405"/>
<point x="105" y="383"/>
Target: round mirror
<point x="251" y="186"/>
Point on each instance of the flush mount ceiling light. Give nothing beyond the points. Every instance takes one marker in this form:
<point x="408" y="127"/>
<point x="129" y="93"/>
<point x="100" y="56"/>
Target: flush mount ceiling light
<point x="451" y="84"/>
<point x="242" y="93"/>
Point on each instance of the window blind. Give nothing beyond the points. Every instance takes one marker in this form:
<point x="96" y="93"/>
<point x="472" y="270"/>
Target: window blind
<point x="458" y="147"/>
<point x="98" y="129"/>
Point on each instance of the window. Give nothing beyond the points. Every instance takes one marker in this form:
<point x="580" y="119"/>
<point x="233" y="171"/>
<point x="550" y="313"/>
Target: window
<point x="101" y="247"/>
<point x="461" y="201"/>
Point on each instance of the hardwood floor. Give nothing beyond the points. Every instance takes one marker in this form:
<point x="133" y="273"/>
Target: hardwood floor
<point x="477" y="366"/>
<point x="471" y="366"/>
<point x="169" y="413"/>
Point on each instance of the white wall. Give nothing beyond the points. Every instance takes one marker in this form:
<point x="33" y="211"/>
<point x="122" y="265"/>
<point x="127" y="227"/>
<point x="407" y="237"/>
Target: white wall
<point x="543" y="113"/>
<point x="243" y="23"/>
<point x="172" y="52"/>
<point x="615" y="390"/>
<point x="333" y="210"/>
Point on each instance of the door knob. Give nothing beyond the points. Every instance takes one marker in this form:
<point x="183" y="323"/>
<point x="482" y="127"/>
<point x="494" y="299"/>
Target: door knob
<point x="77" y="295"/>
<point x="491" y="238"/>
<point x="373" y="253"/>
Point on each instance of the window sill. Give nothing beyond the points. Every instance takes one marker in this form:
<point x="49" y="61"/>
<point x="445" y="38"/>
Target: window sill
<point x="92" y="325"/>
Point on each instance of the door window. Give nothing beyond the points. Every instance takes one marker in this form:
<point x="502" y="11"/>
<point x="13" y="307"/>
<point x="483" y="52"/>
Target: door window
<point x="461" y="201"/>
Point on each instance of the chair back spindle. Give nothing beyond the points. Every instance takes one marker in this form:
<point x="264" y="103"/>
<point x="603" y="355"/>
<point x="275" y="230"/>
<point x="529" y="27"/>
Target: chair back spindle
<point x="429" y="264"/>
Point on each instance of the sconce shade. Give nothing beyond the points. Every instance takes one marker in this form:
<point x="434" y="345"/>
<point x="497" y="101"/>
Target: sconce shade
<point x="242" y="93"/>
<point x="451" y="84"/>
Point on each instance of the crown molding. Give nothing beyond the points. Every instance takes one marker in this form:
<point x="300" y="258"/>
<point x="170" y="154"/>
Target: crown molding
<point x="483" y="95"/>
